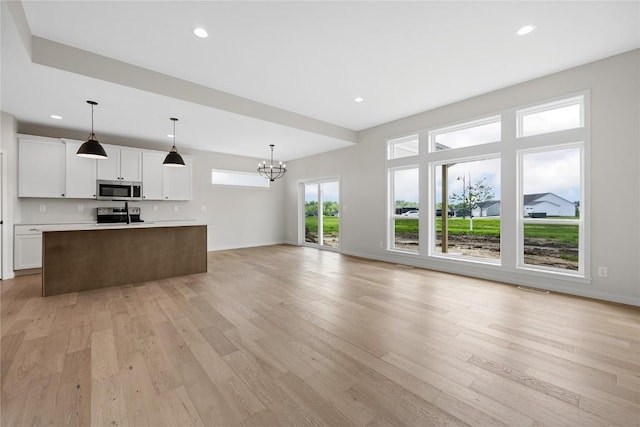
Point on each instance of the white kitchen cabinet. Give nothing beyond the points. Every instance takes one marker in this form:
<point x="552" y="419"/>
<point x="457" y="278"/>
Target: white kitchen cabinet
<point x="41" y="167"/>
<point x="81" y="173"/>
<point x="27" y="249"/>
<point x="152" y="174"/>
<point x="121" y="164"/>
<point x="165" y="183"/>
<point x="176" y="182"/>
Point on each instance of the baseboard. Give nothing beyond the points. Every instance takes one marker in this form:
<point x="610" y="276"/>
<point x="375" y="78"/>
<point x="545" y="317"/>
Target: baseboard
<point x="250" y="245"/>
<point x="26" y="272"/>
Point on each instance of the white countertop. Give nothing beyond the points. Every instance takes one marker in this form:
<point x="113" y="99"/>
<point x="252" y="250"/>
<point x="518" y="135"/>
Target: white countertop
<point x="109" y="226"/>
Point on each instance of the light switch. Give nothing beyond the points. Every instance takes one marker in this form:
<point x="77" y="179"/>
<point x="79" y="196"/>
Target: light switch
<point x="43" y="208"/>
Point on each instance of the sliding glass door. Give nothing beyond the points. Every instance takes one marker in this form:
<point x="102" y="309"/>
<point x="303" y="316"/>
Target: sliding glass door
<point x="321" y="213"/>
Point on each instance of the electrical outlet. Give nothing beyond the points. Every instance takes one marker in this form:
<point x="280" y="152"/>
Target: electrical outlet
<point x="203" y="208"/>
<point x="155" y="208"/>
<point x="603" y="271"/>
<point x="80" y="208"/>
<point x="381" y="244"/>
<point x="43" y="208"/>
<point x="176" y="208"/>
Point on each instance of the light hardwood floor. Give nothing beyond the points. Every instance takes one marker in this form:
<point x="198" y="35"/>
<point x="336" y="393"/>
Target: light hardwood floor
<point x="285" y="335"/>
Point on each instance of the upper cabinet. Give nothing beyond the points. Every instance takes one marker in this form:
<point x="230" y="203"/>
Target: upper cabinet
<point x="165" y="183"/>
<point x="176" y="182"/>
<point x="81" y="173"/>
<point x="49" y="167"/>
<point x="41" y="167"/>
<point x="122" y="164"/>
<point x="152" y="175"/>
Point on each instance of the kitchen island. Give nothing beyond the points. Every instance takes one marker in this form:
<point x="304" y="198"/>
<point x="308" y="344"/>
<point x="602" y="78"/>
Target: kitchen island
<point x="99" y="256"/>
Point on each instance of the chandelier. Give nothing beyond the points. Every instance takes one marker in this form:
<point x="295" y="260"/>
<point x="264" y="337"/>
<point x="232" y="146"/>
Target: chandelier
<point x="270" y="171"/>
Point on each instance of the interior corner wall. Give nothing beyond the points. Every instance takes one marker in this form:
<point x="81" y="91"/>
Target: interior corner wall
<point x="615" y="201"/>
<point x="9" y="191"/>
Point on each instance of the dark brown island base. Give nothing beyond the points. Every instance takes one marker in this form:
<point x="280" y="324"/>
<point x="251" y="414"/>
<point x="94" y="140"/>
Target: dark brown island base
<point x="79" y="260"/>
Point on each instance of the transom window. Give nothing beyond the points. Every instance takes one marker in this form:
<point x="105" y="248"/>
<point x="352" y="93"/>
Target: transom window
<point x="403" y="147"/>
<point x="238" y="179"/>
<point x="465" y="135"/>
<point x="551" y="117"/>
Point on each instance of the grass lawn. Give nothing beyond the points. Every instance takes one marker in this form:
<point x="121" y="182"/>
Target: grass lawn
<point x="481" y="227"/>
<point x="330" y="224"/>
<point x="491" y="227"/>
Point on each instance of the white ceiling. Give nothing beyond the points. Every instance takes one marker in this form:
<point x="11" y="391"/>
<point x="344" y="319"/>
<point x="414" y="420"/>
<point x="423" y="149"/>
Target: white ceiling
<point x="310" y="59"/>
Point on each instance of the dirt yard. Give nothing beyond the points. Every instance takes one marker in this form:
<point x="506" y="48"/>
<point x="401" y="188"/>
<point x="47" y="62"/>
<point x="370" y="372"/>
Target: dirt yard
<point x="543" y="252"/>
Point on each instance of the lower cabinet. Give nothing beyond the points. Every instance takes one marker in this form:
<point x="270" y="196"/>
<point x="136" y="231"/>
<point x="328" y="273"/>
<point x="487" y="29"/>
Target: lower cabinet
<point x="27" y="248"/>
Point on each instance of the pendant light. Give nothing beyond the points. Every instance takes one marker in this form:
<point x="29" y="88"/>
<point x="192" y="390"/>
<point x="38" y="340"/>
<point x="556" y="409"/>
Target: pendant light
<point x="174" y="159"/>
<point x="269" y="171"/>
<point x="91" y="148"/>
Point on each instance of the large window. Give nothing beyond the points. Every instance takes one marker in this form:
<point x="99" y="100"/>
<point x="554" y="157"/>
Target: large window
<point x="467" y="209"/>
<point x="509" y="189"/>
<point x="551" y="193"/>
<point x="406" y="209"/>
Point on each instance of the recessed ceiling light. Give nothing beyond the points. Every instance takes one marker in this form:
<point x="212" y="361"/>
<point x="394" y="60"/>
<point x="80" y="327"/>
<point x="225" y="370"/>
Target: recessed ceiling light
<point x="169" y="135"/>
<point x="55" y="116"/>
<point x="526" y="30"/>
<point x="358" y="99"/>
<point x="201" y="32"/>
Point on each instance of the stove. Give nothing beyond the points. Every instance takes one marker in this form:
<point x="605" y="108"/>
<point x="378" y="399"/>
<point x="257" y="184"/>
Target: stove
<point x="119" y="215"/>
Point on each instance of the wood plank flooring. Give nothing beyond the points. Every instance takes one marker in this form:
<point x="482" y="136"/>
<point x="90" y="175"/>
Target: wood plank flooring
<point x="285" y="335"/>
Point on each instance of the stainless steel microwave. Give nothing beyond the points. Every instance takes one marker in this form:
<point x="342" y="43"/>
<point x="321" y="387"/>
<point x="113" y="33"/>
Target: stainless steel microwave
<point x="119" y="190"/>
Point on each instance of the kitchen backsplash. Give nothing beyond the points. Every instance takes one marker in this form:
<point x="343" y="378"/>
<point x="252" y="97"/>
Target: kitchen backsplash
<point x="46" y="211"/>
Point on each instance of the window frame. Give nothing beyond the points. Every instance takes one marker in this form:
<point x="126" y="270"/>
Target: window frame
<point x="432" y="219"/>
<point x="391" y="143"/>
<point x="467" y="124"/>
<point x="301" y="212"/>
<point x="548" y="106"/>
<point x="391" y="215"/>
<point x="523" y="220"/>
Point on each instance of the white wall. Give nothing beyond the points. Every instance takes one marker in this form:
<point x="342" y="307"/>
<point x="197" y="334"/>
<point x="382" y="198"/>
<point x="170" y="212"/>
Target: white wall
<point x="236" y="217"/>
<point x="615" y="141"/>
<point x="10" y="208"/>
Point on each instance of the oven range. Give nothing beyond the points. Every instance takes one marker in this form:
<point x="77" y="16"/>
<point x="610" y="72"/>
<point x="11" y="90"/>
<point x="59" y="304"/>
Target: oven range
<point x="124" y="215"/>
